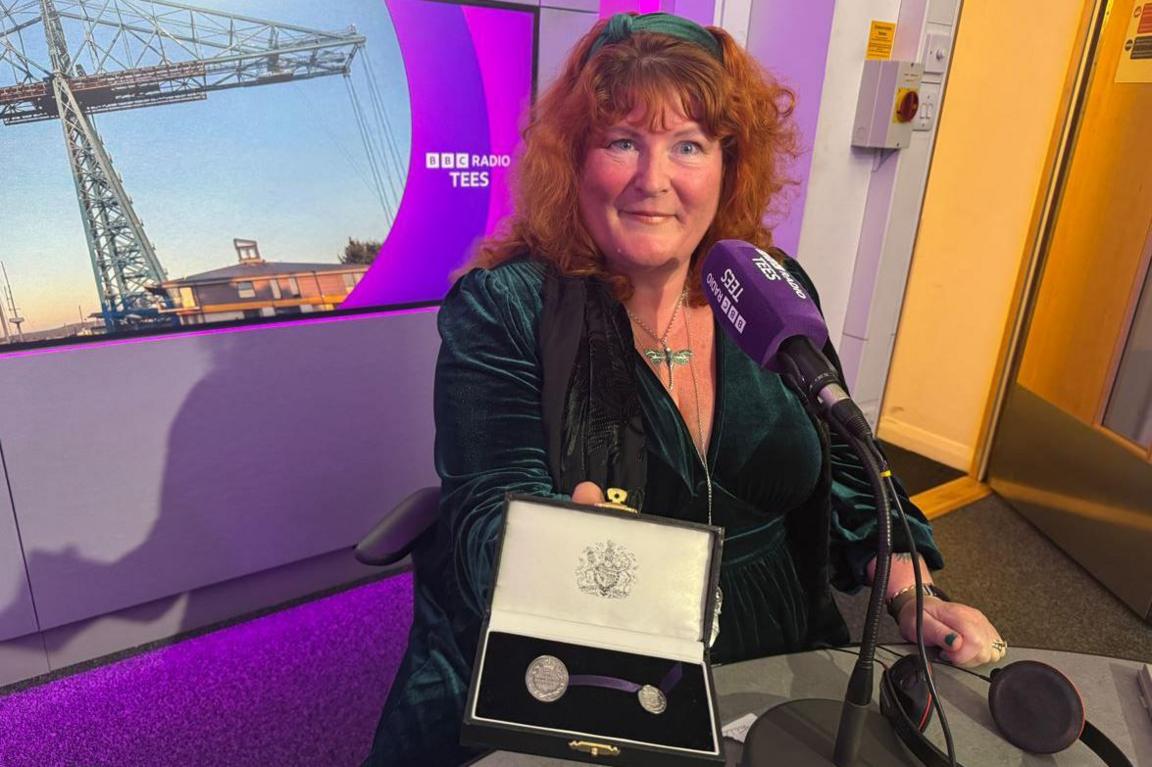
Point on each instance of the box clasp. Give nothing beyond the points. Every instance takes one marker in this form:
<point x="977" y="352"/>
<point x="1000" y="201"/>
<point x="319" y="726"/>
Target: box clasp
<point x="617" y="499"/>
<point x="595" y="749"/>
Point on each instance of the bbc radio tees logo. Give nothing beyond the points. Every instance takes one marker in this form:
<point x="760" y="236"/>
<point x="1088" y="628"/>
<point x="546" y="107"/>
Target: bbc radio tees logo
<point x="467" y="171"/>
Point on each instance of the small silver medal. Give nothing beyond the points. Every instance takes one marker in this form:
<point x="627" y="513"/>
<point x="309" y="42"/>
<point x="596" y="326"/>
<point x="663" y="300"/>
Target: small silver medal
<point x="546" y="678"/>
<point x="652" y="699"/>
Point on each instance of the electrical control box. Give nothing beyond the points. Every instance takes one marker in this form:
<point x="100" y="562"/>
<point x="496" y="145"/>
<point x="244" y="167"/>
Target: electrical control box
<point x="888" y="103"/>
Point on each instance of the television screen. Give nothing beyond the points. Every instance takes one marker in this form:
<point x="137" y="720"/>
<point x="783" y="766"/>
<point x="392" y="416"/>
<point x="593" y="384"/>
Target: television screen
<point x="166" y="167"/>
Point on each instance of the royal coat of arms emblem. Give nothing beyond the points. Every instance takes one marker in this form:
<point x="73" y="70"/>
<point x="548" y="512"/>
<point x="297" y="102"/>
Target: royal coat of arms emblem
<point x="606" y="570"/>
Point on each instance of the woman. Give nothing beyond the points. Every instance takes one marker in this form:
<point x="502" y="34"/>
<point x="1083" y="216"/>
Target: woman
<point x="582" y="355"/>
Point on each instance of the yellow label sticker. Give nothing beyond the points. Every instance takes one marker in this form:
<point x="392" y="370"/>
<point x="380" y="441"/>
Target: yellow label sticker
<point x="1135" y="65"/>
<point x="880" y="39"/>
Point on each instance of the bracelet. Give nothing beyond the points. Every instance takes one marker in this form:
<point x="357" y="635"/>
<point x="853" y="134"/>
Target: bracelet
<point x="905" y="595"/>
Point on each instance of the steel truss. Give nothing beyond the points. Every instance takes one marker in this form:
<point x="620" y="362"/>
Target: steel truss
<point x="107" y="55"/>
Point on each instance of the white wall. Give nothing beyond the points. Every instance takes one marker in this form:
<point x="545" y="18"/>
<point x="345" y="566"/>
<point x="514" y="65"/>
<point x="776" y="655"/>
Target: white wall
<point x="560" y="28"/>
<point x="840" y="175"/>
<point x="863" y="206"/>
<point x="150" y="467"/>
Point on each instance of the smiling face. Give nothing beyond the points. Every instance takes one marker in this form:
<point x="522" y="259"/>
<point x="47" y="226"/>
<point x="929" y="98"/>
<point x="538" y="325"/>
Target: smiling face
<point x="648" y="193"/>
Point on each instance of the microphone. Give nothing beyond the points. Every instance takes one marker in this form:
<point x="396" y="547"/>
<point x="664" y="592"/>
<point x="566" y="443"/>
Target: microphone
<point x="774" y="320"/>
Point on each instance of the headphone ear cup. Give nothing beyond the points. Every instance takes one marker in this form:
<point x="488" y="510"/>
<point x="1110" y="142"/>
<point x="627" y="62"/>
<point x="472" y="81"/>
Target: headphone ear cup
<point x="908" y="688"/>
<point x="1037" y="708"/>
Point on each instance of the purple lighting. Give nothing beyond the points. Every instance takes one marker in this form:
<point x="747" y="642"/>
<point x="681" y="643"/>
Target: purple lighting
<point x="303" y="686"/>
<point x="264" y="326"/>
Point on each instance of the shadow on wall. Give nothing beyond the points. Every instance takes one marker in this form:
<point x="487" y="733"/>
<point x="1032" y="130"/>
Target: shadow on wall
<point x="290" y="446"/>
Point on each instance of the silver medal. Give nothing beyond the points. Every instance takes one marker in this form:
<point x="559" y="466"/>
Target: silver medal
<point x="547" y="678"/>
<point x="652" y="699"/>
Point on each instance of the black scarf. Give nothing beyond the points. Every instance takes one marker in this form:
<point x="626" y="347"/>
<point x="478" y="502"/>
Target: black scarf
<point x="591" y="407"/>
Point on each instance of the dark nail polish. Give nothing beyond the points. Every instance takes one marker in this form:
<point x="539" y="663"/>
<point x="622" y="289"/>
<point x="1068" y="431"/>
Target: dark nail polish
<point x="948" y="640"/>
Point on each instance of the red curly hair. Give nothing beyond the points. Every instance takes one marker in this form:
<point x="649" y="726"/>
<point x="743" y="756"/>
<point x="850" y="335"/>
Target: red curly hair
<point x="735" y="102"/>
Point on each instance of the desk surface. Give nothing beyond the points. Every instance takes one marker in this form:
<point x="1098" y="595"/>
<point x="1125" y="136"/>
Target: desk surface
<point x="1108" y="686"/>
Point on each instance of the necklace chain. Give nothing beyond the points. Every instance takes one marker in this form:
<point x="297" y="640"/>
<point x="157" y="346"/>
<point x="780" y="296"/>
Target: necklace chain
<point x="662" y="340"/>
<point x="701" y="447"/>
<point x="664" y="353"/>
<point x="702" y="452"/>
<point x="683" y="357"/>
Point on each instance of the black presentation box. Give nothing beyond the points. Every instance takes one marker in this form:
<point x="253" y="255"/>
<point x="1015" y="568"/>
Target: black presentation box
<point x="595" y="645"/>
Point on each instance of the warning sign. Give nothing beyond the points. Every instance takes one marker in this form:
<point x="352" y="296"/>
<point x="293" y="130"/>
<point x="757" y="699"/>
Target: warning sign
<point x="880" y="39"/>
<point x="1136" y="57"/>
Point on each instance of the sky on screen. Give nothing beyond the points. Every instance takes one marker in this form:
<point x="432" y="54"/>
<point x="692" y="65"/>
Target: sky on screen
<point x="282" y="164"/>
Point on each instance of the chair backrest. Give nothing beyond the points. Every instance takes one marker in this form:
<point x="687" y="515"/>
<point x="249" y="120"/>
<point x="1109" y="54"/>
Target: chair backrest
<point x="394" y="536"/>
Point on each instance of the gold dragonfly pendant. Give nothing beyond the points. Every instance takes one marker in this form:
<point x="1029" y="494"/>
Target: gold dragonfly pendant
<point x="669" y="358"/>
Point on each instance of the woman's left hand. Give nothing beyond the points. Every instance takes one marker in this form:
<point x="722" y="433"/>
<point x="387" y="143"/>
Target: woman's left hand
<point x="964" y="635"/>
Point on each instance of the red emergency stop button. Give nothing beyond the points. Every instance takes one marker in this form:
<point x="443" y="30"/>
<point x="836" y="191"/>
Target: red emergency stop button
<point x="907" y="105"/>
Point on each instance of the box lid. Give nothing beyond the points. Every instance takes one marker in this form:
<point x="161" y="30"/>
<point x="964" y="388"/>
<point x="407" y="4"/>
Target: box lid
<point x="615" y="579"/>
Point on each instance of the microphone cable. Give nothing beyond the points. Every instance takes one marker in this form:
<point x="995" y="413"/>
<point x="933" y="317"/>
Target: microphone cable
<point x="924" y="662"/>
<point x="884" y="491"/>
<point x="858" y="696"/>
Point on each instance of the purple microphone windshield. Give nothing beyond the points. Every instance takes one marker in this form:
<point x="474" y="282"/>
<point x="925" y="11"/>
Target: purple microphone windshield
<point x="758" y="302"/>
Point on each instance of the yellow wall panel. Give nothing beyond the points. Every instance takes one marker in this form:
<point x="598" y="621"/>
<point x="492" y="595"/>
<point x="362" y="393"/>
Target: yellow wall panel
<point x="1006" y="90"/>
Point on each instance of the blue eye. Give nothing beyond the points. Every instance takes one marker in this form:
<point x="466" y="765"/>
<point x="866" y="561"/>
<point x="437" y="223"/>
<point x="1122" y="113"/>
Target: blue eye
<point x="689" y="148"/>
<point x="624" y="144"/>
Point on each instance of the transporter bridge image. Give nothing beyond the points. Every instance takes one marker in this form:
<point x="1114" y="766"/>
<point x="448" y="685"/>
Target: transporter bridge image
<point x="67" y="60"/>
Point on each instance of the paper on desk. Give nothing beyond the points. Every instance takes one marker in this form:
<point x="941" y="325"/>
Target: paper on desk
<point x="737" y="729"/>
<point x="1144" y="677"/>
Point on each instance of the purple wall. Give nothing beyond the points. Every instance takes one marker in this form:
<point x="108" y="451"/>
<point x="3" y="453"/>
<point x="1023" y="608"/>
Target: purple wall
<point x="151" y="467"/>
<point x="790" y="38"/>
<point x="612" y="7"/>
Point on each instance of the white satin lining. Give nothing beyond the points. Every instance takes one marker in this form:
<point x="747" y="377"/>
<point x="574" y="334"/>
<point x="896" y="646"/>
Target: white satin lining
<point x="557" y="630"/>
<point x="542" y="551"/>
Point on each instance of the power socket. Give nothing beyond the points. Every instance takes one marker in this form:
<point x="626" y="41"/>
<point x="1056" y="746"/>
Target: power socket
<point x="929" y="107"/>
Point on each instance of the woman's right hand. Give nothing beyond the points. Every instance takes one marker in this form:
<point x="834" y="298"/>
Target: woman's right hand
<point x="588" y="493"/>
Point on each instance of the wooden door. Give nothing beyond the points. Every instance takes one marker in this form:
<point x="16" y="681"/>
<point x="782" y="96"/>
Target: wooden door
<point x="1061" y="454"/>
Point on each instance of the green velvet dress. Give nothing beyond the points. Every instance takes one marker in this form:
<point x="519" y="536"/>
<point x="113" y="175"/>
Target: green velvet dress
<point x="796" y="506"/>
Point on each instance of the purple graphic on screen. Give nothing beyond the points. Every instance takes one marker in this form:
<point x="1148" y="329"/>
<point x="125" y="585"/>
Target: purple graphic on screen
<point x="469" y="72"/>
<point x="507" y="89"/>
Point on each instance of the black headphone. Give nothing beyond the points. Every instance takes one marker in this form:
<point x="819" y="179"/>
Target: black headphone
<point x="1035" y="707"/>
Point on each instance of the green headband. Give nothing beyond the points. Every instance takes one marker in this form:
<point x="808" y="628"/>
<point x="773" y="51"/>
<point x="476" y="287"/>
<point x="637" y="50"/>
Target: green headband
<point x="623" y="25"/>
